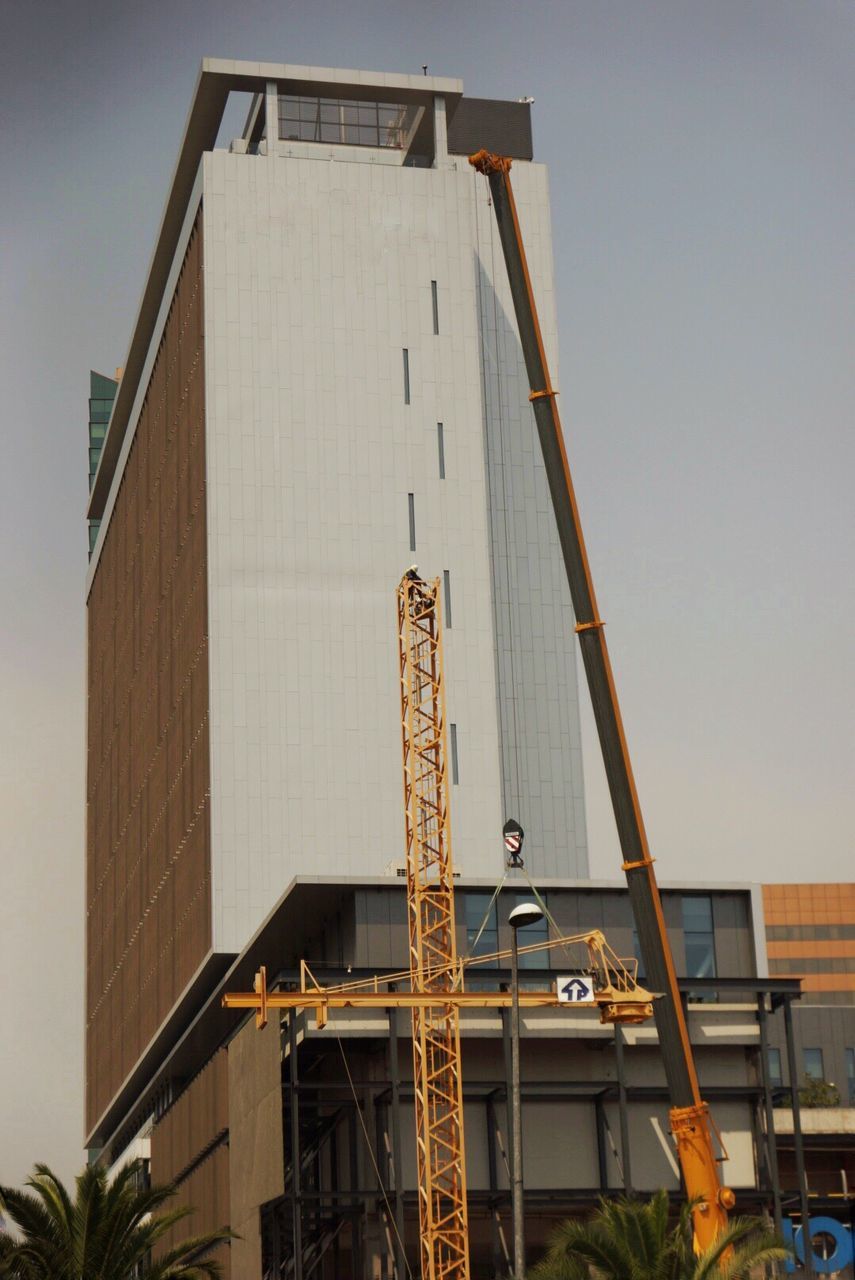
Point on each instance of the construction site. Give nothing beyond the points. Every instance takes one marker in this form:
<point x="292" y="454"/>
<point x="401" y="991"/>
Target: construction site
<point x="350" y="985"/>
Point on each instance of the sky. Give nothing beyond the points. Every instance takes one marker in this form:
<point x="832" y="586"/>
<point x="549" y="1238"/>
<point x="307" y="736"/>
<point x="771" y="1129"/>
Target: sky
<point x="701" y="174"/>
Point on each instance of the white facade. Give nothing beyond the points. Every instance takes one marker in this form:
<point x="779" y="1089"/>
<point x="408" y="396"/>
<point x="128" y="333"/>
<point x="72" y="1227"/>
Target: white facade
<point x="318" y="276"/>
<point x="318" y="268"/>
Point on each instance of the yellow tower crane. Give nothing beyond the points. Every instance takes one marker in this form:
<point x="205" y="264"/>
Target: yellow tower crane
<point x="433" y="959"/>
<point x="436" y="975"/>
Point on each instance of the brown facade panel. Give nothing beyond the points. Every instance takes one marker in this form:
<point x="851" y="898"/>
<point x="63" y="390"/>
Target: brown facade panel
<point x="205" y="1192"/>
<point x="148" y="844"/>
<point x="189" y="1147"/>
<point x="197" y="1119"/>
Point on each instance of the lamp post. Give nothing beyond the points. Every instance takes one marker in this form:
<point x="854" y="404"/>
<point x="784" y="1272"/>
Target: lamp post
<point x="526" y="913"/>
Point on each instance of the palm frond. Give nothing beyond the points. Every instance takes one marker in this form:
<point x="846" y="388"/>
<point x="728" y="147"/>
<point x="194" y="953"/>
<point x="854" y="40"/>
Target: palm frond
<point x="107" y="1231"/>
<point x="629" y="1239"/>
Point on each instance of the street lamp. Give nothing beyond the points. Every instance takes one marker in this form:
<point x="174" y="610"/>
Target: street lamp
<point x="526" y="913"/>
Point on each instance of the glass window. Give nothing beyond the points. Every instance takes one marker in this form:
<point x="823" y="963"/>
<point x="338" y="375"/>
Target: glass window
<point x="699" y="941"/>
<point x="368" y="124"/>
<point x="435" y="301"/>
<point x="446" y="588"/>
<point x="411" y="511"/>
<point x="406" y="376"/>
<point x="475" y="908"/>
<point x="455" y="766"/>
<point x="850" y="1074"/>
<point x="700" y="956"/>
<point x="776" y="1077"/>
<point x="697" y="914"/>
<point x="440" y="443"/>
<point x="813" y="1064"/>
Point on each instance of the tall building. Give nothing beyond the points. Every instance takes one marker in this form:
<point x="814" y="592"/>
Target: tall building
<point x="323" y="385"/>
<point x="102" y="393"/>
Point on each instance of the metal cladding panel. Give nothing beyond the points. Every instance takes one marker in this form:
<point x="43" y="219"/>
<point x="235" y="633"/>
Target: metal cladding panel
<point x="205" y="1191"/>
<point x="148" y="842"/>
<point x="193" y="1123"/>
<point x="502" y="127"/>
<point x="317" y="277"/>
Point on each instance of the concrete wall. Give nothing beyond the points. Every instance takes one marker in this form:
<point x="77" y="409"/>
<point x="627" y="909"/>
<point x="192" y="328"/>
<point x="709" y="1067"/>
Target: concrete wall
<point x="317" y="276"/>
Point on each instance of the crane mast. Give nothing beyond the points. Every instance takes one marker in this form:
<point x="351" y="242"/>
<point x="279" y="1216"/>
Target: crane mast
<point x="433" y="962"/>
<point x="435" y="975"/>
<point x="691" y="1122"/>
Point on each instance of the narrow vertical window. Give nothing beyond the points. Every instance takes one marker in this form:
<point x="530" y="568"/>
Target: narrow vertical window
<point x="446" y="584"/>
<point x="435" y="302"/>
<point x="440" y="445"/>
<point x="699" y="937"/>
<point x="406" y="376"/>
<point x="411" y="503"/>
<point x="455" y="768"/>
<point x="813" y="1064"/>
<point x="776" y="1074"/>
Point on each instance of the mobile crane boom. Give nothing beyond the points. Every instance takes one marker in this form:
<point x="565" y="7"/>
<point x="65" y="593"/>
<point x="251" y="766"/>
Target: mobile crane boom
<point x="691" y="1122"/>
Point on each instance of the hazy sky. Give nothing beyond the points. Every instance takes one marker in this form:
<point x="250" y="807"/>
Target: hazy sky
<point x="702" y="191"/>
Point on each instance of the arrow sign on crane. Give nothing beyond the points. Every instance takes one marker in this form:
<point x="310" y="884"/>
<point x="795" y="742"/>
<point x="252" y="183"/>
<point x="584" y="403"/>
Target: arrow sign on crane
<point x="572" y="988"/>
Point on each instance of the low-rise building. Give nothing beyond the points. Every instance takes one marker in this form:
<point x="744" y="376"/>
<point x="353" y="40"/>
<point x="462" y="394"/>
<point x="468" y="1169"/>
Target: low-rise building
<point x="810" y="934"/>
<point x="305" y="1138"/>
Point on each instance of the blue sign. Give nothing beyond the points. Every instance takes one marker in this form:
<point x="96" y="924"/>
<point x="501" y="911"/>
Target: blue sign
<point x="844" y="1246"/>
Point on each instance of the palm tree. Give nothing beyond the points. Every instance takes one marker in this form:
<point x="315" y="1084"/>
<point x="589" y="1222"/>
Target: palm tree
<point x="107" y="1232"/>
<point x="631" y="1240"/>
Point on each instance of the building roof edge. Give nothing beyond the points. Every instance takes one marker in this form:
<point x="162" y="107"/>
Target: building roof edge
<point x="218" y="77"/>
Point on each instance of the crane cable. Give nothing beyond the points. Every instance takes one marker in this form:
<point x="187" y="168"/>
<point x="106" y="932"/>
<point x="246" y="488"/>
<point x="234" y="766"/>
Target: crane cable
<point x="540" y="902"/>
<point x="374" y="1161"/>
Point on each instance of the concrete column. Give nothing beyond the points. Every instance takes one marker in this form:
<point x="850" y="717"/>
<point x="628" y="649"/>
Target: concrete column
<point x="271" y="116"/>
<point x="768" y="1106"/>
<point x="440" y="133"/>
<point x="622" y="1109"/>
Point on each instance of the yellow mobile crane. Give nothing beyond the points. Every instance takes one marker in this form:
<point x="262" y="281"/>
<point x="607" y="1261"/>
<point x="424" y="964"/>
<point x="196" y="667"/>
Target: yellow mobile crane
<point x="691" y="1123"/>
<point x="435" y="974"/>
